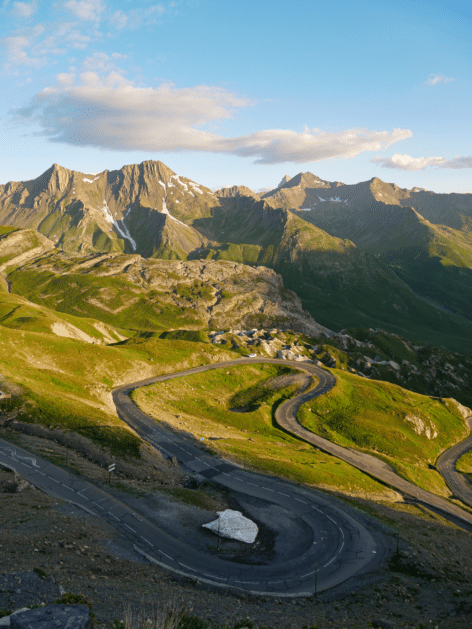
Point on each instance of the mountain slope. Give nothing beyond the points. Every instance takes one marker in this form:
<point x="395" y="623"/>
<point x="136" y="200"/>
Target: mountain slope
<point x="128" y="210"/>
<point x="434" y="260"/>
<point x="358" y="255"/>
<point x="337" y="282"/>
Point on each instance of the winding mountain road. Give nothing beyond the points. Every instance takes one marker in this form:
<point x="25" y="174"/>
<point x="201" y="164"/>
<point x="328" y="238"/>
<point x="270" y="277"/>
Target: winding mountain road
<point x="331" y="545"/>
<point x="446" y="464"/>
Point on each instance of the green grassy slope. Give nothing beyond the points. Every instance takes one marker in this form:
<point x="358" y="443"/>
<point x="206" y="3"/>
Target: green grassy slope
<point x="66" y="383"/>
<point x="406" y="429"/>
<point x="201" y="404"/>
<point x="113" y="299"/>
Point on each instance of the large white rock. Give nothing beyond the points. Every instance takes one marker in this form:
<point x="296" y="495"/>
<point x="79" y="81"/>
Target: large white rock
<point x="234" y="525"/>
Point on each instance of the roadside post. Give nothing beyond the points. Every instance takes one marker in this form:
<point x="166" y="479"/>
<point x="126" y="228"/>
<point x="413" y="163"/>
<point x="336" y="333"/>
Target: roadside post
<point x="111" y="468"/>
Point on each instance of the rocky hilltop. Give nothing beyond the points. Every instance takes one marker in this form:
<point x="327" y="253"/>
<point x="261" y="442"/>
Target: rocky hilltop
<point x="146" y="294"/>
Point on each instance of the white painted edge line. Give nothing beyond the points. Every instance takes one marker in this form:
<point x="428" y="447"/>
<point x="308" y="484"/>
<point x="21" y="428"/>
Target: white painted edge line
<point x="224" y="585"/>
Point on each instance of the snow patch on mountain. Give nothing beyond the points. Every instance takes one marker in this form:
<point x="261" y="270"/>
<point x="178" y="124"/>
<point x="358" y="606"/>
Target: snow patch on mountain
<point x="123" y="230"/>
<point x="166" y="211"/>
<point x="89" y="180"/>
<point x="106" y="211"/>
<point x="195" y="187"/>
<point x="182" y="183"/>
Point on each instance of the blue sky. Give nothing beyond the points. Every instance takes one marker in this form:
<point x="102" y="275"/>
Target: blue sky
<point x="240" y="92"/>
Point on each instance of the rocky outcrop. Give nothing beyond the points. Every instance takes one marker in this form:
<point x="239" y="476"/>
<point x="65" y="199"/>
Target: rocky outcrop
<point x="219" y="294"/>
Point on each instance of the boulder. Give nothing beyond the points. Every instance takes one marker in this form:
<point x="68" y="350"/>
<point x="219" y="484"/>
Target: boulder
<point x="53" y="617"/>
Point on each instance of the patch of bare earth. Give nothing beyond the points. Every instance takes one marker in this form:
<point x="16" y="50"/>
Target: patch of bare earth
<point x="429" y="579"/>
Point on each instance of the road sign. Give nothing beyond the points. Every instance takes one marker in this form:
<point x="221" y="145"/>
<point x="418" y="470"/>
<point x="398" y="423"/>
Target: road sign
<point x="111" y="468"/>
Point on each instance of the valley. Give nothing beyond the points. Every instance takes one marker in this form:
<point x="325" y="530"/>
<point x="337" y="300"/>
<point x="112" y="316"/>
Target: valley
<point x="130" y="276"/>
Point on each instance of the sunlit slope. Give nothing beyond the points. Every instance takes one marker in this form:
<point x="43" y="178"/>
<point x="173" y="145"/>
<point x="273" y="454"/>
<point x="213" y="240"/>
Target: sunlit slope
<point x="406" y="429"/>
<point x="140" y="208"/>
<point x="65" y="382"/>
<point x="143" y="296"/>
<point x="18" y="246"/>
<point x="231" y="409"/>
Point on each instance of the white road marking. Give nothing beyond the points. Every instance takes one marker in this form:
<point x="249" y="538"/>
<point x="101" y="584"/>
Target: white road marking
<point x="331" y="561"/>
<point x="165" y="555"/>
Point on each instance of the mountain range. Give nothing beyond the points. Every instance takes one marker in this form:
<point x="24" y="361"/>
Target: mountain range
<point x="365" y="255"/>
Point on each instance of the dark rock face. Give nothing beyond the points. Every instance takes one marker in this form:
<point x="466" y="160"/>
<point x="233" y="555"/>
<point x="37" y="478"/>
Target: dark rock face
<point x="53" y="617"/>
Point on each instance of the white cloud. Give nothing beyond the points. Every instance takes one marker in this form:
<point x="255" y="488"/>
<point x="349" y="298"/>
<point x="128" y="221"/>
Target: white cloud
<point x="102" y="63"/>
<point x="276" y="146"/>
<point x="24" y="10"/>
<point x="87" y="10"/>
<point x="119" y="20"/>
<point x="405" y="162"/>
<point x="21" y="48"/>
<point x="434" y="79"/>
<point x="113" y="113"/>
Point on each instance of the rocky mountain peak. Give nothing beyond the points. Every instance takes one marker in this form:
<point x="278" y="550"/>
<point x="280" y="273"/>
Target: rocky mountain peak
<point x="236" y="191"/>
<point x="54" y="179"/>
<point x="376" y="181"/>
<point x="146" y="173"/>
<point x="285" y="179"/>
<point x="306" y="180"/>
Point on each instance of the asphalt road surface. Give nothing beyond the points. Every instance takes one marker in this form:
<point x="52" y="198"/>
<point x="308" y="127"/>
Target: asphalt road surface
<point x="286" y="416"/>
<point x="334" y="546"/>
<point x="446" y="463"/>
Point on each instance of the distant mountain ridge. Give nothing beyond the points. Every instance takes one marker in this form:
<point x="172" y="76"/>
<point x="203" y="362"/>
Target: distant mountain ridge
<point x="367" y="255"/>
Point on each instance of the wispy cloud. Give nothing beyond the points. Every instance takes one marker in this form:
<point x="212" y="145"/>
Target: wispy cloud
<point x="24" y="10"/>
<point x="74" y="24"/>
<point x="101" y="63"/>
<point x="87" y="10"/>
<point x="405" y="162"/>
<point x="434" y="79"/>
<point x="112" y="113"/>
<point x="20" y="49"/>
